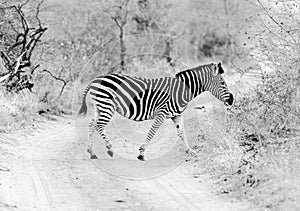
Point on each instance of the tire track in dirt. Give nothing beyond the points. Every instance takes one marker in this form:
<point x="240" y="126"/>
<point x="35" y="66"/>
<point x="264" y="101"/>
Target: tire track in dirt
<point x="42" y="194"/>
<point x="176" y="195"/>
<point x="55" y="173"/>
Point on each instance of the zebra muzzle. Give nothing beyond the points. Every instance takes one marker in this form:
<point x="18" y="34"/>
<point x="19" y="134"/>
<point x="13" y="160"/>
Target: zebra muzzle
<point x="229" y="101"/>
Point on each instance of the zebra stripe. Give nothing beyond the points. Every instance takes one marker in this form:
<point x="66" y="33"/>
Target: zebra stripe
<point x="143" y="99"/>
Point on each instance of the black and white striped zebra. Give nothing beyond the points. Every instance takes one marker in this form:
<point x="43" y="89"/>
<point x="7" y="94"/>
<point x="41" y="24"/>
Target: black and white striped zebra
<point x="144" y="99"/>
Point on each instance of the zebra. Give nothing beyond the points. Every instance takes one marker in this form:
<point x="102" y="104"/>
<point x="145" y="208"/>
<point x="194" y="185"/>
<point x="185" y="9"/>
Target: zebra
<point x="155" y="99"/>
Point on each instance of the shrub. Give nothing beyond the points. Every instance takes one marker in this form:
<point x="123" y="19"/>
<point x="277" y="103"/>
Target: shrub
<point x="272" y="109"/>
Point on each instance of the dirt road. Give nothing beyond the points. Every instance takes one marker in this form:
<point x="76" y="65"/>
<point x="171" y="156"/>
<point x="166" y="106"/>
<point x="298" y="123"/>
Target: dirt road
<point x="53" y="172"/>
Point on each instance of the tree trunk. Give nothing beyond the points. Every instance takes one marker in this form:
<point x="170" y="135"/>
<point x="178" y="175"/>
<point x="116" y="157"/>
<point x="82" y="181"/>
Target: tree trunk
<point x="122" y="48"/>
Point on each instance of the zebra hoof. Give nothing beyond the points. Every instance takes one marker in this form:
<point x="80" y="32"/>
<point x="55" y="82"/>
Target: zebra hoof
<point x="94" y="156"/>
<point x="141" y="157"/>
<point x="110" y="153"/>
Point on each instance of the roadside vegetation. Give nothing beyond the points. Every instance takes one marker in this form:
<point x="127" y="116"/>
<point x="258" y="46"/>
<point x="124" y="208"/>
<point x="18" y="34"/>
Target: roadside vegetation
<point x="50" y="50"/>
<point x="256" y="155"/>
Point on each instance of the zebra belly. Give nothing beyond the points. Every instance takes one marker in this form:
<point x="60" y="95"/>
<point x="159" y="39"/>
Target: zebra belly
<point x="123" y="113"/>
<point x="137" y="111"/>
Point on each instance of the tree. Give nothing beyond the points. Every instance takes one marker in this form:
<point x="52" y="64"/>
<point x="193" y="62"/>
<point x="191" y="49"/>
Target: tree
<point x="119" y="13"/>
<point x="19" y="38"/>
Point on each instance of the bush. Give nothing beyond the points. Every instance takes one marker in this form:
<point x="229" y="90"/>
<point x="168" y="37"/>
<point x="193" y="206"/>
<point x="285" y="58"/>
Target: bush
<point x="272" y="109"/>
<point x="265" y="122"/>
<point x="213" y="44"/>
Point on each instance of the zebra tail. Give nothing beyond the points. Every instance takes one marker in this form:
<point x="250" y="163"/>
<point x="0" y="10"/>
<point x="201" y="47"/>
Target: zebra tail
<point x="83" y="108"/>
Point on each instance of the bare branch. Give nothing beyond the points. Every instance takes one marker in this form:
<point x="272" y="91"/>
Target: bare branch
<point x="275" y="21"/>
<point x="3" y="78"/>
<point x="23" y="4"/>
<point x="33" y="69"/>
<point x="23" y="20"/>
<point x="117" y="22"/>
<point x="6" y="59"/>
<point x="15" y="71"/>
<point x="38" y="11"/>
<point x="124" y="19"/>
<point x="17" y="43"/>
<point x="57" y="78"/>
<point x="61" y="71"/>
<point x="30" y="47"/>
<point x="238" y="69"/>
<point x="18" y="63"/>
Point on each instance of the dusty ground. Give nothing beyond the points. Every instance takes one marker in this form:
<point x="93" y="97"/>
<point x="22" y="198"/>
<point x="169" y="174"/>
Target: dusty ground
<point x="47" y="168"/>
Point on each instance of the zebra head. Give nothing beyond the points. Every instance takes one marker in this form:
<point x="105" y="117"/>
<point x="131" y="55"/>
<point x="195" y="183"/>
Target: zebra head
<point x="217" y="85"/>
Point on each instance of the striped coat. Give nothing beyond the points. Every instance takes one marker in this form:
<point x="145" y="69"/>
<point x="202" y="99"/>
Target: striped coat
<point x="141" y="99"/>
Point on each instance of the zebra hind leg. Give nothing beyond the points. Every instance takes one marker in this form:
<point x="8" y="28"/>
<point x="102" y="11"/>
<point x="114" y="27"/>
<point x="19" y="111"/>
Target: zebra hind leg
<point x="107" y="111"/>
<point x="100" y="130"/>
<point x="91" y="137"/>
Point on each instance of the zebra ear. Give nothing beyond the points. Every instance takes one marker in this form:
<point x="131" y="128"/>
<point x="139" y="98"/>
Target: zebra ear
<point x="220" y="68"/>
<point x="215" y="69"/>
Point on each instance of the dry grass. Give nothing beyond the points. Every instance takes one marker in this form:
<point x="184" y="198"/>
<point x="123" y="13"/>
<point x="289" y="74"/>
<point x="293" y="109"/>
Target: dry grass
<point x="264" y="173"/>
<point x="268" y="181"/>
<point x="17" y="110"/>
<point x="22" y="110"/>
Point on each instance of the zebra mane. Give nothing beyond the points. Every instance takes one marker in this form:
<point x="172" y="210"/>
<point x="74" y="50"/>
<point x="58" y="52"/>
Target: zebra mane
<point x="177" y="75"/>
<point x="192" y="69"/>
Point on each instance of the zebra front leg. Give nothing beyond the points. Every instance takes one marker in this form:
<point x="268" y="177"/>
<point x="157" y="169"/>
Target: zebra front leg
<point x="158" y="121"/>
<point x="91" y="136"/>
<point x="178" y="121"/>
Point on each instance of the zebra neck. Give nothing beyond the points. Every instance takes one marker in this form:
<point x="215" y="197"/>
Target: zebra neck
<point x="193" y="82"/>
